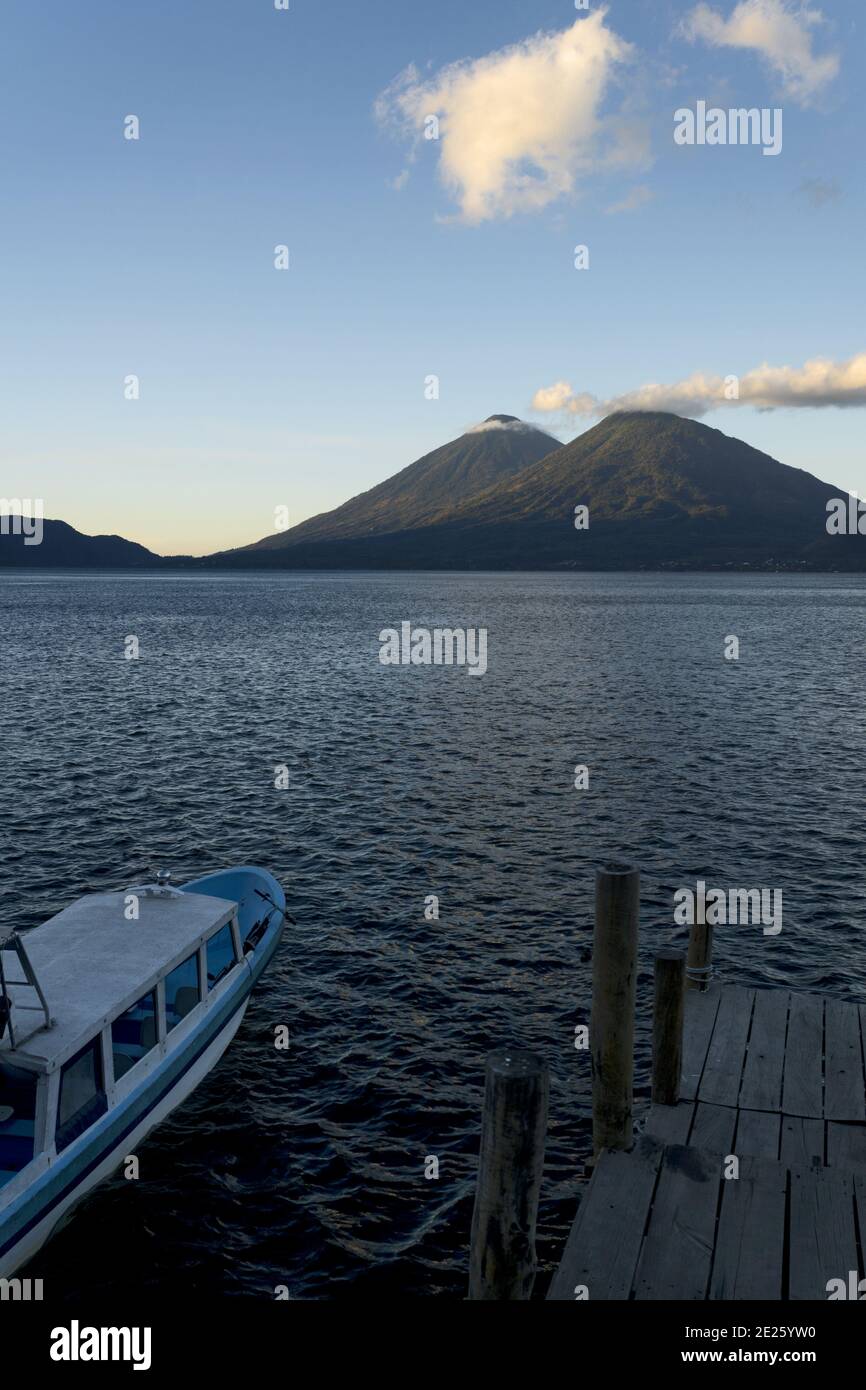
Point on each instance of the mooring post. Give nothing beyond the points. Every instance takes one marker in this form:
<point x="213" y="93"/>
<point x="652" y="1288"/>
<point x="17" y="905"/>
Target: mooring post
<point x="699" y="966"/>
<point x="502" y="1261"/>
<point x="614" y="978"/>
<point x="668" y="1006"/>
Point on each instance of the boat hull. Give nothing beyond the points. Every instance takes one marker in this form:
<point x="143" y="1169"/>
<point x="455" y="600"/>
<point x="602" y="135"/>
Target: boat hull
<point x="35" y="1213"/>
<point x="33" y="1240"/>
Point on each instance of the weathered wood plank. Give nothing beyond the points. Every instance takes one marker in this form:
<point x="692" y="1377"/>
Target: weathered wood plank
<point x="822" y="1243"/>
<point x="677" y="1252"/>
<point x="765" y="1060"/>
<point x="758" y="1134"/>
<point x="670" y="1124"/>
<point x="605" y="1241"/>
<point x="713" y="1128"/>
<point x="700" y="1018"/>
<point x="846" y="1146"/>
<point x="749" y="1253"/>
<point x="647" y="1228"/>
<point x="802" y="1141"/>
<point x="803" y="1084"/>
<point x="720" y="1083"/>
<point x="844" y="1095"/>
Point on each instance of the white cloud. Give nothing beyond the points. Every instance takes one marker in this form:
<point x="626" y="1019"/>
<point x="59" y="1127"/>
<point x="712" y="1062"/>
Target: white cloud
<point x="817" y="384"/>
<point x="780" y="30"/>
<point x="561" y="398"/>
<point x="512" y="426"/>
<point x="520" y="126"/>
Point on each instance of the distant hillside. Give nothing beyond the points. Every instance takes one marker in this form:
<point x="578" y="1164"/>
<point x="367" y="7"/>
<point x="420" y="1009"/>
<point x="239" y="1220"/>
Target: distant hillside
<point x="662" y="492"/>
<point x="63" y="546"/>
<point x="420" y="493"/>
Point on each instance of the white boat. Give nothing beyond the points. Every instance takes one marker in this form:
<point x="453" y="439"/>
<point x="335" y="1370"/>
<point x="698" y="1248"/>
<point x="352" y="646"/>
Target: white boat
<point x="111" y="1013"/>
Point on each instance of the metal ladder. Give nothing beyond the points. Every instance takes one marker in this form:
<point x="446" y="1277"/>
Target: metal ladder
<point x="15" y="946"/>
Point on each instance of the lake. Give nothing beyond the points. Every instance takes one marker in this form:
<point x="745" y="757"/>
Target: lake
<point x="258" y="724"/>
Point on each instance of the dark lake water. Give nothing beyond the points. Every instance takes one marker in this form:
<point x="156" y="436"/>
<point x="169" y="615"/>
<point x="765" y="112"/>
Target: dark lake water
<point x="307" y="1168"/>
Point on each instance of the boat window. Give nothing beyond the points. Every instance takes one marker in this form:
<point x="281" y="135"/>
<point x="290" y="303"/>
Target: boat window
<point x="182" y="992"/>
<point x="220" y="956"/>
<point x="17" y="1119"/>
<point x="82" y="1094"/>
<point x="133" y="1035"/>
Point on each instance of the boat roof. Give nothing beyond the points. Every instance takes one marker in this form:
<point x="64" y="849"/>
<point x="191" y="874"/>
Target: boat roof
<point x="93" y="964"/>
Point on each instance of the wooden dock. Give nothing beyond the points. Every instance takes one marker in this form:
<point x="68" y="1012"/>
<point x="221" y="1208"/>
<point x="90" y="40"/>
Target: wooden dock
<point x="747" y="1177"/>
<point x="775" y="1082"/>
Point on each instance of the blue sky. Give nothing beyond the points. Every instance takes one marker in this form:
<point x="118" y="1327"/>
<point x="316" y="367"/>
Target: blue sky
<point x="260" y="127"/>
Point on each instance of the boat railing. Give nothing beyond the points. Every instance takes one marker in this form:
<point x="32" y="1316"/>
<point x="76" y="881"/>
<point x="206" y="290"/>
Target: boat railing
<point x="13" y="944"/>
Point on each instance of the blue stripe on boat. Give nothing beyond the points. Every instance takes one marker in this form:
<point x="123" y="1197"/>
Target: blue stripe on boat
<point x="51" y="1187"/>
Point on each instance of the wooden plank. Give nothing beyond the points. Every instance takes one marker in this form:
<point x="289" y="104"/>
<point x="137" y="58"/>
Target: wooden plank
<point x="713" y="1128"/>
<point x="700" y="1019"/>
<point x="823" y="1242"/>
<point x="670" y="1124"/>
<point x="803" y="1083"/>
<point x="802" y="1142"/>
<point x="677" y="1252"/>
<point x="765" y="1060"/>
<point x="758" y="1134"/>
<point x="846" y="1147"/>
<point x="605" y="1241"/>
<point x="749" y="1256"/>
<point x="844" y="1095"/>
<point x="720" y="1083"/>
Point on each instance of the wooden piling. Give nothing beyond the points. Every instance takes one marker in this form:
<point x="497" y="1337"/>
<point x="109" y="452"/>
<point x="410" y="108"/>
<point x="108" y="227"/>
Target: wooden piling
<point x="614" y="978"/>
<point x="699" y="965"/>
<point x="502" y="1263"/>
<point x="668" y="1007"/>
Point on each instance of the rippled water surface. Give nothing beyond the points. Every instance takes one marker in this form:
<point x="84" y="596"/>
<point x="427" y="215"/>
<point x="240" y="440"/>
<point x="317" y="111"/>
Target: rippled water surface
<point x="306" y="1168"/>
